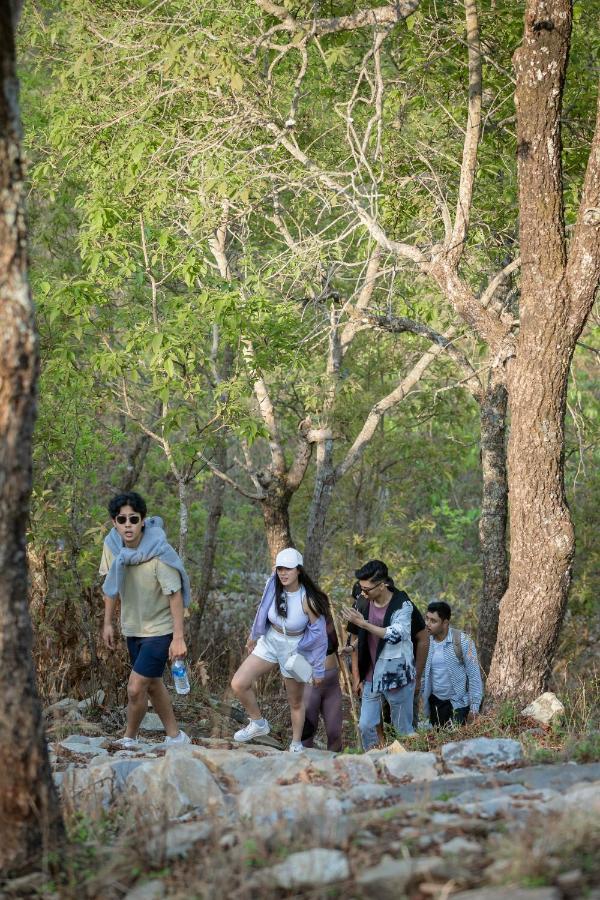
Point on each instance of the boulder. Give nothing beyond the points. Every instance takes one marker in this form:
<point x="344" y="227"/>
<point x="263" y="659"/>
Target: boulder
<point x="91" y="790"/>
<point x="415" y="766"/>
<point x="176" y="840"/>
<point x="509" y="890"/>
<point x="284" y="813"/>
<point x="545" y="709"/>
<point x="151" y="722"/>
<point x="173" y="785"/>
<point x="482" y="753"/>
<point x="390" y="878"/>
<point x="348" y="769"/>
<point x="240" y="768"/>
<point x="308" y="868"/>
<point x="149" y="890"/>
<point x="88" y="703"/>
<point x="460" y="846"/>
<point x="85" y="746"/>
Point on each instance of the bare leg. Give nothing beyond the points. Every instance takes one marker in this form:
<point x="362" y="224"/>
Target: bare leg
<point x="161" y="703"/>
<point x="242" y="683"/>
<point x="295" y="693"/>
<point x="137" y="702"/>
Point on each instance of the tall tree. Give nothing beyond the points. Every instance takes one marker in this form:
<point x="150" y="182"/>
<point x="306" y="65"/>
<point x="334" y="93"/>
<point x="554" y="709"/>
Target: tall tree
<point x="30" y="818"/>
<point x="559" y="281"/>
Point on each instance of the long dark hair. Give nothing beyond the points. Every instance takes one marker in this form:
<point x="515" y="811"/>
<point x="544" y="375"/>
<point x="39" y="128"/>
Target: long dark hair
<point x="317" y="599"/>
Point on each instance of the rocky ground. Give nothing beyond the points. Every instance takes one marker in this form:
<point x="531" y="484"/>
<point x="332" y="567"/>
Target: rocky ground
<point x="215" y="820"/>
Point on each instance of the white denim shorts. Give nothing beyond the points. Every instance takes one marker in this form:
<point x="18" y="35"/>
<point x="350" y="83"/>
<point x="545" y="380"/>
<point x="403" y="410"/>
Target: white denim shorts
<point x="274" y="647"/>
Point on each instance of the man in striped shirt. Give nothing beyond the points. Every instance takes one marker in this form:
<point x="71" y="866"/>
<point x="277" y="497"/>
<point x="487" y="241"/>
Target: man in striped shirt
<point x="452" y="686"/>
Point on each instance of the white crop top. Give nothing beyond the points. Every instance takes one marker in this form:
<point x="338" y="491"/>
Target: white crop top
<point x="296" y="619"/>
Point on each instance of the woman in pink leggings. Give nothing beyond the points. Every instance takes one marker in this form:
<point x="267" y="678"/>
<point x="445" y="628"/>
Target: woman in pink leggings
<point x="325" y="699"/>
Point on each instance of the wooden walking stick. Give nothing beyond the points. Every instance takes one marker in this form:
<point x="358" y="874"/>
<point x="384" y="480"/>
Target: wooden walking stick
<point x="347" y="683"/>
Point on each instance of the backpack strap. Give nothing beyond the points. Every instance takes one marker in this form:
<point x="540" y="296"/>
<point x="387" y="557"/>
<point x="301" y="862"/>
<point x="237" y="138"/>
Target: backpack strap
<point x="456" y="641"/>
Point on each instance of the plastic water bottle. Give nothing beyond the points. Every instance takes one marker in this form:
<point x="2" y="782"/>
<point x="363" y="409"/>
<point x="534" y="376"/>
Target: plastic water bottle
<point x="180" y="676"/>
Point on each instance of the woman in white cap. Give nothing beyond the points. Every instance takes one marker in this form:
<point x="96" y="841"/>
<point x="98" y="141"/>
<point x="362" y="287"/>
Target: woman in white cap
<point x="290" y="622"/>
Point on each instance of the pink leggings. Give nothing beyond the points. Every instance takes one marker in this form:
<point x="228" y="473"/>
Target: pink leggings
<point x="326" y="699"/>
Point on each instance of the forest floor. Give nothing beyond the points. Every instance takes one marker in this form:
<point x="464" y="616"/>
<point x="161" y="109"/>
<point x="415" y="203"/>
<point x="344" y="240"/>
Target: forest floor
<point x="482" y="834"/>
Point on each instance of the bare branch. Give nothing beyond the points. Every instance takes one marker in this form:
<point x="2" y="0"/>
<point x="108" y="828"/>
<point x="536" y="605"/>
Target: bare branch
<point x="267" y="411"/>
<point x="382" y="406"/>
<point x="473" y="133"/>
<point x="583" y="267"/>
<point x="400" y="324"/>
<point x="498" y="279"/>
<point x="224" y="477"/>
<point x="362" y="18"/>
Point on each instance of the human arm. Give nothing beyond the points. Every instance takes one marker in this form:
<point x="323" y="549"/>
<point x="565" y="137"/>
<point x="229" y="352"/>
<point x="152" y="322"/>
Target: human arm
<point x="421" y="651"/>
<point x="356" y="682"/>
<point x="474" y="681"/>
<point x="108" y="629"/>
<point x="177" y="648"/>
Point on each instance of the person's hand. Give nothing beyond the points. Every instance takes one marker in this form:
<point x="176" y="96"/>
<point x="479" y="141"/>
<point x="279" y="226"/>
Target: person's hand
<point x="353" y="615"/>
<point x="250" y="645"/>
<point x="177" y="649"/>
<point x="357" y="686"/>
<point x="472" y="716"/>
<point x="108" y="636"/>
<point x="317" y="681"/>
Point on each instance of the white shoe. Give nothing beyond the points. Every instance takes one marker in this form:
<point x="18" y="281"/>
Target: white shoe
<point x="296" y="747"/>
<point x="180" y="738"/>
<point x="127" y="743"/>
<point x="251" y="731"/>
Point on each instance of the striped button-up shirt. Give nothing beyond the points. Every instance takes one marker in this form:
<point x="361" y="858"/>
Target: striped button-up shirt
<point x="465" y="677"/>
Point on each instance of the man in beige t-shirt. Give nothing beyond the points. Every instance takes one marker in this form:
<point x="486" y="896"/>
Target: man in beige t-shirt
<point x="151" y="619"/>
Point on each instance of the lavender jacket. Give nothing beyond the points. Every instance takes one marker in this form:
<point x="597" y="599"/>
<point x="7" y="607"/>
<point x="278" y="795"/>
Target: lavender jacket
<point x="312" y="644"/>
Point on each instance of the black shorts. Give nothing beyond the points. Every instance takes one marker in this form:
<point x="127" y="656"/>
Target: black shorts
<point x="149" y="655"/>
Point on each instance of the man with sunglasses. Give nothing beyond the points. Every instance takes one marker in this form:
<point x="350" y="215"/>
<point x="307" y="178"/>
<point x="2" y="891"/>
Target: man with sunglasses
<point x="386" y="623"/>
<point x="148" y="577"/>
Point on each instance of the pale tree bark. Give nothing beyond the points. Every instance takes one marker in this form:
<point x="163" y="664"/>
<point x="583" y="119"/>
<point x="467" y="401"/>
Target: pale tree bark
<point x="30" y="819"/>
<point x="557" y="293"/>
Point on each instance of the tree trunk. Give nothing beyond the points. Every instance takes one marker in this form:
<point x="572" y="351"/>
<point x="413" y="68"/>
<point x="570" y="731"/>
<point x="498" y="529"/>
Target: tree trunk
<point x="214" y="502"/>
<point x="319" y="507"/>
<point x="275" y="509"/>
<point x="30" y="821"/>
<point x="541" y="532"/>
<point x="494" y="513"/>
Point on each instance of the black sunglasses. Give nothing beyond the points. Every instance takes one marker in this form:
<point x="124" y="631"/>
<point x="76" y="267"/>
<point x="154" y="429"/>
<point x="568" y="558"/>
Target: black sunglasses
<point x="134" y="519"/>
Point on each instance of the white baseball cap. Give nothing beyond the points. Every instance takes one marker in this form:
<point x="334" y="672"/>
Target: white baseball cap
<point x="288" y="558"/>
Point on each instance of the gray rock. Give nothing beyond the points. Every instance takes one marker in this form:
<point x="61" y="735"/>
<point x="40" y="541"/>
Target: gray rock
<point x="482" y="753"/>
<point x="391" y="877"/>
<point x="59" y="709"/>
<point x="240" y="768"/>
<point x="580" y="797"/>
<point x="91" y="790"/>
<point x="545" y="709"/>
<point x="150" y="890"/>
<point x="151" y="722"/>
<point x="509" y="891"/>
<point x="416" y="766"/>
<point x="310" y="867"/>
<point x="177" y="840"/>
<point x="351" y="769"/>
<point x="283" y="813"/>
<point x="459" y="846"/>
<point x="88" y="703"/>
<point x="368" y="793"/>
<point x="173" y="785"/>
<point x="84" y="746"/>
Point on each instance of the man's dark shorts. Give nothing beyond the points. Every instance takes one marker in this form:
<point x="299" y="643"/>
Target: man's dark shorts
<point x="149" y="655"/>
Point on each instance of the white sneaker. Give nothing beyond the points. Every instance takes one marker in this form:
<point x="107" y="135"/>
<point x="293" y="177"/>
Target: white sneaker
<point x="296" y="747"/>
<point x="251" y="730"/>
<point x="127" y="743"/>
<point x="180" y="738"/>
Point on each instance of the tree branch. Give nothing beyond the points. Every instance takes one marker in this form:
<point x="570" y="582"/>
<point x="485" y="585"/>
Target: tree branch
<point x="362" y="18"/>
<point x="583" y="267"/>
